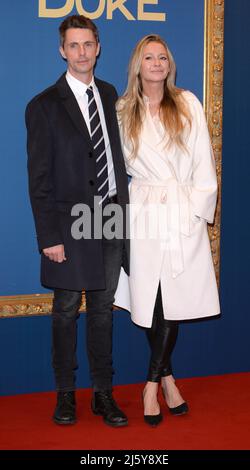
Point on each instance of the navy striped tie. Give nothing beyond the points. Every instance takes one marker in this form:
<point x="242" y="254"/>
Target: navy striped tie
<point x="99" y="147"/>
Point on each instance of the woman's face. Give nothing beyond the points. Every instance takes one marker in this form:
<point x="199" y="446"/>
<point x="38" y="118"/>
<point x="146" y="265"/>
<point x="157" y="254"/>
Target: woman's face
<point x="155" y="63"/>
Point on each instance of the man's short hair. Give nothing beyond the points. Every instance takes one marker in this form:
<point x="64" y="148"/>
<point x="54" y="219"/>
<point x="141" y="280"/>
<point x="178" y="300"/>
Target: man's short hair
<point x="77" y="21"/>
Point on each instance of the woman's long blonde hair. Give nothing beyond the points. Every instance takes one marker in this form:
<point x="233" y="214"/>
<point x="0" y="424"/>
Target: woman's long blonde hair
<point x="131" y="107"/>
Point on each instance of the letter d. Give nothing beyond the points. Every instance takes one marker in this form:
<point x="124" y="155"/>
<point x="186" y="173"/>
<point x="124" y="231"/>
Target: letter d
<point x="45" y="12"/>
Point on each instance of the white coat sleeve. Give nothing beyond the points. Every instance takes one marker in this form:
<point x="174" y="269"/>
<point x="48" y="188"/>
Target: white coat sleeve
<point x="203" y="195"/>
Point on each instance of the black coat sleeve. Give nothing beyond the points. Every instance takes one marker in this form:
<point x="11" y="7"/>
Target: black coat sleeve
<point x="40" y="173"/>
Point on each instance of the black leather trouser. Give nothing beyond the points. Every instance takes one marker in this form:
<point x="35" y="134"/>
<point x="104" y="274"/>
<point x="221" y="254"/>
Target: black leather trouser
<point x="162" y="338"/>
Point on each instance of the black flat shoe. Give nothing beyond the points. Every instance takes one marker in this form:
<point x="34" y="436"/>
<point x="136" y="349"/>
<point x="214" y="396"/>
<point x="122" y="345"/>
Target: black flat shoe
<point x="179" y="410"/>
<point x="104" y="405"/>
<point x="65" y="411"/>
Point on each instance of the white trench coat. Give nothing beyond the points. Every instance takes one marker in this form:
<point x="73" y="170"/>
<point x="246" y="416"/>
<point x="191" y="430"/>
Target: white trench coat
<point x="172" y="195"/>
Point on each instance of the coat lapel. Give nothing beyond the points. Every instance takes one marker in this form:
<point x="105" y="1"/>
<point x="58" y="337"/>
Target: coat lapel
<point x="149" y="134"/>
<point x="152" y="138"/>
<point x="72" y="108"/>
<point x="106" y="108"/>
<point x="109" y="119"/>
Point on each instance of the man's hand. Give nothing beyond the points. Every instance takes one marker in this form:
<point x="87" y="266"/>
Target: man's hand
<point x="55" y="253"/>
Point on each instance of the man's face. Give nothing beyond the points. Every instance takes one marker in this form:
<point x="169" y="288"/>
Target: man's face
<point x="80" y="49"/>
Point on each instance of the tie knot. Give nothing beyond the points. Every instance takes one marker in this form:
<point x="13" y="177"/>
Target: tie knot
<point x="89" y="92"/>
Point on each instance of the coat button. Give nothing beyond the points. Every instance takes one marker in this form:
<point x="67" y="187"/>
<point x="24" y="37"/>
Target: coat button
<point x="90" y="154"/>
<point x="91" y="182"/>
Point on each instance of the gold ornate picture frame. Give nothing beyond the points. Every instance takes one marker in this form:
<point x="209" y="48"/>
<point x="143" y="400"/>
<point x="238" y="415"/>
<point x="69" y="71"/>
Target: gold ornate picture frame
<point x="40" y="304"/>
<point x="213" y="102"/>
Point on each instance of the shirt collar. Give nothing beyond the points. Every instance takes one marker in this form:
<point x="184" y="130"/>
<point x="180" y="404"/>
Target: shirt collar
<point x="79" y="88"/>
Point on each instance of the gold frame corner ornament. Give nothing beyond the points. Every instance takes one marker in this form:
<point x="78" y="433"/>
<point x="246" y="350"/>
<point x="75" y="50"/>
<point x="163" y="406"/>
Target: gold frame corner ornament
<point x="41" y="304"/>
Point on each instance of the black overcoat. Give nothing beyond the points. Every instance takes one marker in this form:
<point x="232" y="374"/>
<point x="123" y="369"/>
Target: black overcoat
<point x="62" y="173"/>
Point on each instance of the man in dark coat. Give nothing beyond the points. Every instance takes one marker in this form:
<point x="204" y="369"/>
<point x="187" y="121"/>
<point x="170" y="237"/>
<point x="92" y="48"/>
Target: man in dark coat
<point x="74" y="160"/>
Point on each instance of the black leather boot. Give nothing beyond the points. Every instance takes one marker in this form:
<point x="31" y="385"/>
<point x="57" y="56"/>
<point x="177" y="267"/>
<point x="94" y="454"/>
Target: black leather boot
<point x="65" y="412"/>
<point x="103" y="404"/>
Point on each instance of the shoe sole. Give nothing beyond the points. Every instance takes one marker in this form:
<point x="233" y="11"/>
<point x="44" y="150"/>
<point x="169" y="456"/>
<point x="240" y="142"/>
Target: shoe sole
<point x="73" y="421"/>
<point x="178" y="413"/>
<point x="116" y="425"/>
<point x="113" y="425"/>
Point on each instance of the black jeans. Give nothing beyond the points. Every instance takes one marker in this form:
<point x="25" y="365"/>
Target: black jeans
<point x="99" y="305"/>
<point x="162" y="338"/>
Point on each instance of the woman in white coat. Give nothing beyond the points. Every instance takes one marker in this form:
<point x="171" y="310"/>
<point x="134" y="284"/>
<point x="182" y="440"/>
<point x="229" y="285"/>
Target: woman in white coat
<point x="173" y="194"/>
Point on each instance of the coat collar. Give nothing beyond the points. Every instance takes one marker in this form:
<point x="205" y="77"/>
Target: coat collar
<point x="70" y="103"/>
<point x="74" y="111"/>
<point x="152" y="138"/>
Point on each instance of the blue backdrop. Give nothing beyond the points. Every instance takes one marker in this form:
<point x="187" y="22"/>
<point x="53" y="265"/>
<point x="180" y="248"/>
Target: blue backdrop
<point x="30" y="63"/>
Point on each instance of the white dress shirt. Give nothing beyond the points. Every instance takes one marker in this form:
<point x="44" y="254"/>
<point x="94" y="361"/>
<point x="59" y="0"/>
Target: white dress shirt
<point x="79" y="89"/>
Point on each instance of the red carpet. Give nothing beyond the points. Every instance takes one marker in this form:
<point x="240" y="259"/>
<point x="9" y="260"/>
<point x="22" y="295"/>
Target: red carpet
<point x="219" y="418"/>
